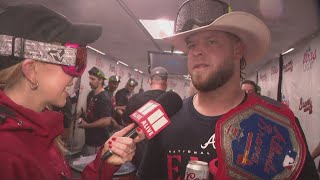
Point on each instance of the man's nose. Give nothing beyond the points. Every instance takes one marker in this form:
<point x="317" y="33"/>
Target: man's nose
<point x="198" y="50"/>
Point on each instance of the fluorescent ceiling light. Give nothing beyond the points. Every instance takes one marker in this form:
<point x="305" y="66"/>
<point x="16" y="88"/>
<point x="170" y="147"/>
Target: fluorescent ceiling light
<point x="176" y="52"/>
<point x="289" y="50"/>
<point x="96" y="50"/>
<point x="158" y="28"/>
<point x="120" y="62"/>
<point x="136" y="70"/>
<point x="141" y="72"/>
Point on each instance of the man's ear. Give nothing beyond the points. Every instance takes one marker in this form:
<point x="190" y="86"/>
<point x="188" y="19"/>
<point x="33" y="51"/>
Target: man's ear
<point x="29" y="70"/>
<point x="239" y="49"/>
<point x="101" y="81"/>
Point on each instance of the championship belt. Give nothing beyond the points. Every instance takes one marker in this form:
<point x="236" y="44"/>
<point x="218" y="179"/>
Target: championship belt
<point x="259" y="139"/>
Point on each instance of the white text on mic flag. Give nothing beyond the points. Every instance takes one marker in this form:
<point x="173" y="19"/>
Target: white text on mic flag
<point x="151" y="118"/>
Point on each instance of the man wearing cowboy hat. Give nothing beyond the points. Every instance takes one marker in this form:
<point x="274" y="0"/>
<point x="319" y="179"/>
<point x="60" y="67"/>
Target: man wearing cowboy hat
<point x="249" y="136"/>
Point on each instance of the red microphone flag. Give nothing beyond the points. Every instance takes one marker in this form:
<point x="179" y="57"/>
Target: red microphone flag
<point x="151" y="118"/>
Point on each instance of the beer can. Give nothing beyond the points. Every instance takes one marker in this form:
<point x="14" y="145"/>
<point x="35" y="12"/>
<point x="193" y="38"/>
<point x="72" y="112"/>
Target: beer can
<point x="197" y="170"/>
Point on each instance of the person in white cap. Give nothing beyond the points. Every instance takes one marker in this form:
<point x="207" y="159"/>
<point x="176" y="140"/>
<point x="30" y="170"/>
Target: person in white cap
<point x="239" y="135"/>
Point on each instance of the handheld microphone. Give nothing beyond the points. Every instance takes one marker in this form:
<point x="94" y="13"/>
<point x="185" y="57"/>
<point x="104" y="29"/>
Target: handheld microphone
<point x="153" y="116"/>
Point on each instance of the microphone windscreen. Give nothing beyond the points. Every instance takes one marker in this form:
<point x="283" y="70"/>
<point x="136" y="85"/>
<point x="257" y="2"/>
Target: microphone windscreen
<point x="170" y="101"/>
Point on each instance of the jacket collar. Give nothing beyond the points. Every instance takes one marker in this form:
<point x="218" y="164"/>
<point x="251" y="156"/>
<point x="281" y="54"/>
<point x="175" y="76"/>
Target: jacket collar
<point x="47" y="123"/>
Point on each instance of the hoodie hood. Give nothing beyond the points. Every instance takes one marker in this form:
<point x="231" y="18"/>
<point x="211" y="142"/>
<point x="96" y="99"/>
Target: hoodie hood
<point x="13" y="117"/>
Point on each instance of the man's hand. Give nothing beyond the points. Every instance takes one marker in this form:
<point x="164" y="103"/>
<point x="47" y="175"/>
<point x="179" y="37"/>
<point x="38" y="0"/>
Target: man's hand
<point x="82" y="114"/>
<point x="114" y="124"/>
<point x="82" y="123"/>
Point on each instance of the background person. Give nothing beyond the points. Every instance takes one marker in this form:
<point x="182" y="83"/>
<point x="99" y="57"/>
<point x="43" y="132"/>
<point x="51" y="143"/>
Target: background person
<point x="249" y="86"/>
<point x="122" y="97"/>
<point x="111" y="89"/>
<point x="98" y="115"/>
<point x="112" y="85"/>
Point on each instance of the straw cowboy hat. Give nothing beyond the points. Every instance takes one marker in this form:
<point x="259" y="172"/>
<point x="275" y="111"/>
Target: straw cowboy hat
<point x="250" y="29"/>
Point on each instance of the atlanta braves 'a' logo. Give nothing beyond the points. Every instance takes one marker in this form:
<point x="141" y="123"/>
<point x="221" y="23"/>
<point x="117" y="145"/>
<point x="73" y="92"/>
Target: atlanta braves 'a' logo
<point x="211" y="141"/>
<point x="57" y="54"/>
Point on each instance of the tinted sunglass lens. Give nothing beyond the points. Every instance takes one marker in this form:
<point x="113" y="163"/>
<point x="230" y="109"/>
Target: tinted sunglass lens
<point x="81" y="59"/>
<point x="200" y="13"/>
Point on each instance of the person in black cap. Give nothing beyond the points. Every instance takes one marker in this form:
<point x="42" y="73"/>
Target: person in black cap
<point x="110" y="89"/>
<point x="123" y="95"/>
<point x="112" y="85"/>
<point x="98" y="115"/>
<point x="40" y="53"/>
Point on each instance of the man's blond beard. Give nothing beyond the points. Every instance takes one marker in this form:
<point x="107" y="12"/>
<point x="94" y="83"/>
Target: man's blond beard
<point x="216" y="78"/>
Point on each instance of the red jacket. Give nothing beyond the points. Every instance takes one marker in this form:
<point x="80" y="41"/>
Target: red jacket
<point x="27" y="148"/>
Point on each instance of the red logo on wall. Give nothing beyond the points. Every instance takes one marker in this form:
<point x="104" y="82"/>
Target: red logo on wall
<point x="135" y="76"/>
<point x="263" y="77"/>
<point x="186" y="84"/>
<point x="99" y="63"/>
<point x="309" y="57"/>
<point x="285" y="100"/>
<point x="121" y="72"/>
<point x="288" y="67"/>
<point x="112" y="69"/>
<point x="172" y="83"/>
<point x="274" y="70"/>
<point x="129" y="75"/>
<point x="306" y="105"/>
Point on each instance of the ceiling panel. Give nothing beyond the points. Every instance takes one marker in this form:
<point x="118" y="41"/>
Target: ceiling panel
<point x="123" y="38"/>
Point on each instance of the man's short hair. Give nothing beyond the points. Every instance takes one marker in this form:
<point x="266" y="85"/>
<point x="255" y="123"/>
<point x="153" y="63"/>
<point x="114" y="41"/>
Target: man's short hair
<point x="251" y="83"/>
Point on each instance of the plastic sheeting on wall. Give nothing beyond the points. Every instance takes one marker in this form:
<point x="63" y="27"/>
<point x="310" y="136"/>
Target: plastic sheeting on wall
<point x="268" y="79"/>
<point x="301" y="89"/>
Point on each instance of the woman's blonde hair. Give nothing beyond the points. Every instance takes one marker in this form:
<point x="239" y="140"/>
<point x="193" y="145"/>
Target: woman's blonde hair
<point x="10" y="76"/>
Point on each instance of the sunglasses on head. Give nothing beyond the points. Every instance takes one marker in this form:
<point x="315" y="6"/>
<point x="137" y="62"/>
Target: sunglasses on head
<point x="81" y="61"/>
<point x="199" y="13"/>
<point x="71" y="57"/>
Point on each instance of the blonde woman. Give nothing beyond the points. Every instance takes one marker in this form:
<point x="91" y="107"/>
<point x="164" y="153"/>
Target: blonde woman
<point x="40" y="54"/>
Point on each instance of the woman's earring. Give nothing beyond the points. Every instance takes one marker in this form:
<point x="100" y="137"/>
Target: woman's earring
<point x="34" y="86"/>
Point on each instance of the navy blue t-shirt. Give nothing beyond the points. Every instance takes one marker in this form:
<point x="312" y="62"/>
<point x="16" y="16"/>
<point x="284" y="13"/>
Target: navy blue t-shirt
<point x="189" y="136"/>
<point x="122" y="97"/>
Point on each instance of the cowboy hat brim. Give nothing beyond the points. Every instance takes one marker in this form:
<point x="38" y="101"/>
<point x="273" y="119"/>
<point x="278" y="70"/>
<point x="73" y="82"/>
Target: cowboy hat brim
<point x="250" y="29"/>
